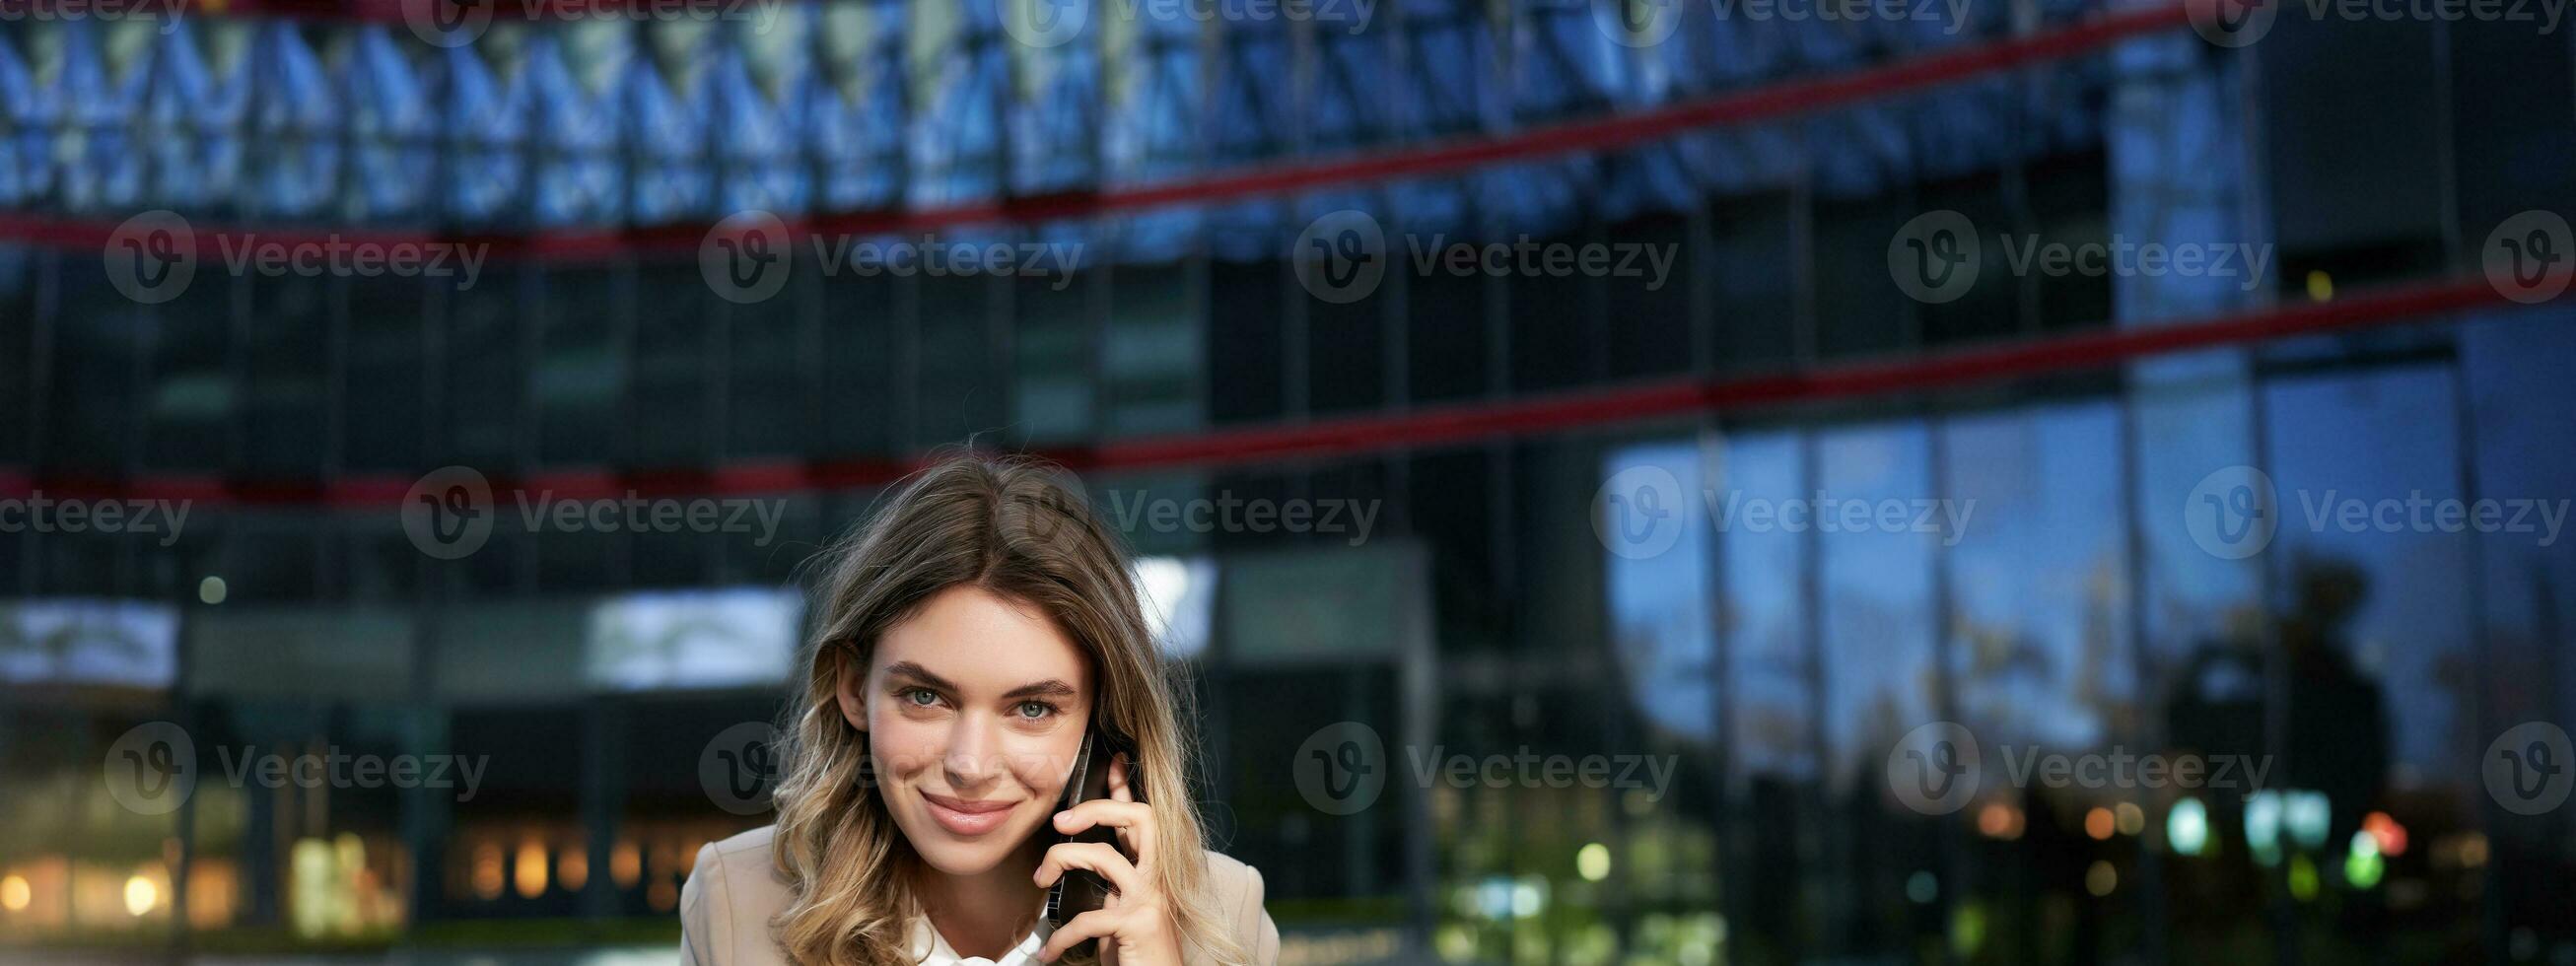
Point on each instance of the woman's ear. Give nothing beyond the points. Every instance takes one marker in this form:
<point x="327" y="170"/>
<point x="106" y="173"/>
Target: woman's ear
<point x="850" y="688"/>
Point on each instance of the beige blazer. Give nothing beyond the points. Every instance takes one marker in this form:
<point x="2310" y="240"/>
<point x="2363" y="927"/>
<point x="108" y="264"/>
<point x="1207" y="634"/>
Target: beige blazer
<point x="735" y="890"/>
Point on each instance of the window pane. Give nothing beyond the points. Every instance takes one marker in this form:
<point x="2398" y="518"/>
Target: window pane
<point x="1776" y="847"/>
<point x="2381" y="698"/>
<point x="286" y="383"/>
<point x="1875" y="600"/>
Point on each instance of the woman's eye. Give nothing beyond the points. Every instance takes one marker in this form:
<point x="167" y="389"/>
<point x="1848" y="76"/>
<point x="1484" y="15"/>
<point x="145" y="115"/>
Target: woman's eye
<point x="1034" y="710"/>
<point x="921" y="697"/>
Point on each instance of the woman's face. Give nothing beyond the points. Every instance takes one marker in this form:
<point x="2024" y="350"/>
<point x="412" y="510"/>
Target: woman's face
<point x="974" y="710"/>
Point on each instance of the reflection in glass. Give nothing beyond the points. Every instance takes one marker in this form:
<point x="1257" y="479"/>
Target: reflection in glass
<point x="693" y="639"/>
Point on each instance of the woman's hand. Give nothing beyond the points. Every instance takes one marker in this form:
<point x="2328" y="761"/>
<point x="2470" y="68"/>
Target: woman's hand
<point x="1134" y="925"/>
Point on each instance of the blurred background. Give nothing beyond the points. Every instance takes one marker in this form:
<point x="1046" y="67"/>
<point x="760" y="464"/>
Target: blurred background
<point x="413" y="417"/>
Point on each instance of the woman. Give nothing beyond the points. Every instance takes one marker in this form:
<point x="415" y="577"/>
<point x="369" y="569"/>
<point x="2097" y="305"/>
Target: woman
<point x="970" y="638"/>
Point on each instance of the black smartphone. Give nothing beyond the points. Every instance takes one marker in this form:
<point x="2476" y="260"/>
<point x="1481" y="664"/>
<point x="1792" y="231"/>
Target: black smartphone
<point x="1081" y="890"/>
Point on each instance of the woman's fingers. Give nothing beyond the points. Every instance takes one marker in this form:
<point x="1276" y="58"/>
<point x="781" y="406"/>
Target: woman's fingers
<point x="1098" y="857"/>
<point x="1090" y="925"/>
<point x="1135" y="918"/>
<point x="1134" y="822"/>
<point x="1139" y="838"/>
<point x="1118" y="779"/>
<point x="1105" y="925"/>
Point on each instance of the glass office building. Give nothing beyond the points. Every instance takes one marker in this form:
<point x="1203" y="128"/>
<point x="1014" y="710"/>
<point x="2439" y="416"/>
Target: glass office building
<point x="1607" y="730"/>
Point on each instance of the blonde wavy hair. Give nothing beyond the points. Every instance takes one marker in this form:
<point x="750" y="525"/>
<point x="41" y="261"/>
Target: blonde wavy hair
<point x="1021" y="529"/>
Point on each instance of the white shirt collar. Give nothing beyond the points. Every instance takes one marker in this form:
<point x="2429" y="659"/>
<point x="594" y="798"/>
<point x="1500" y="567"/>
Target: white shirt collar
<point x="929" y="948"/>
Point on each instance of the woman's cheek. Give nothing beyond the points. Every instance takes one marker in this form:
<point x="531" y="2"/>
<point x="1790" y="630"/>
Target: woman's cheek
<point x="1044" y="766"/>
<point x="901" y="747"/>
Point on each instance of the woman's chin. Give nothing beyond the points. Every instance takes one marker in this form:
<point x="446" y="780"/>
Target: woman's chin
<point x="957" y="859"/>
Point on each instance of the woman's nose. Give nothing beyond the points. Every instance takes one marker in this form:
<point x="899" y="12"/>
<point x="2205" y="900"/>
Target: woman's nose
<point x="970" y="752"/>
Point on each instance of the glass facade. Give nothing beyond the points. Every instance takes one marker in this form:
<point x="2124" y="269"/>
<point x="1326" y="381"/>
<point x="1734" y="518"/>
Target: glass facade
<point x="1592" y="754"/>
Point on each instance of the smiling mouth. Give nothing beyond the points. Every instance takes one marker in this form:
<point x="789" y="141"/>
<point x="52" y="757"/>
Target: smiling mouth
<point x="966" y="818"/>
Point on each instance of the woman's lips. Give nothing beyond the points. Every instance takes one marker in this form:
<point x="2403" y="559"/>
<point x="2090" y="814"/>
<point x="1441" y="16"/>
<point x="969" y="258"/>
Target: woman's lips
<point x="964" y="817"/>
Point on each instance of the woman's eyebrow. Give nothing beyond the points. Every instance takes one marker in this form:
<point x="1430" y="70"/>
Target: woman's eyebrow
<point x="1051" y="687"/>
